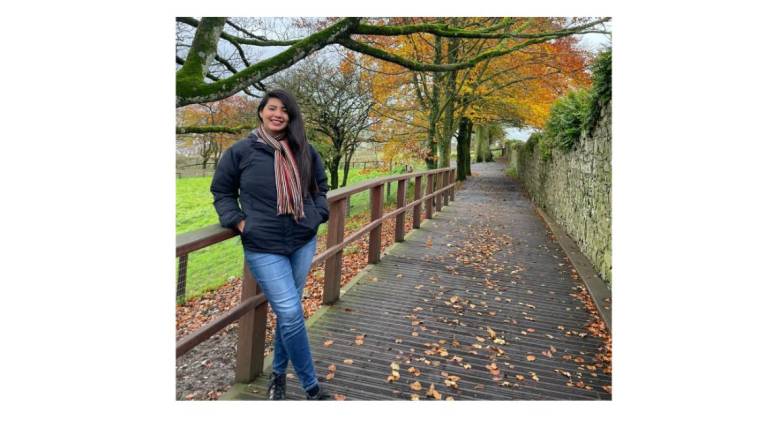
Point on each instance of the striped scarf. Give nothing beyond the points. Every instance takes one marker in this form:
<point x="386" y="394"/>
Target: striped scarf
<point x="287" y="177"/>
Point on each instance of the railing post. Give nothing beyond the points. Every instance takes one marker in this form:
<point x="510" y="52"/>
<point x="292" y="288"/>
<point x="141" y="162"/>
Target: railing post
<point x="417" y="207"/>
<point x="377" y="209"/>
<point x="446" y="182"/>
<point x="333" y="264"/>
<point x="430" y="189"/>
<point x="252" y="333"/>
<point x="439" y="196"/>
<point x="181" y="282"/>
<point x="400" y="219"/>
<point x="453" y="184"/>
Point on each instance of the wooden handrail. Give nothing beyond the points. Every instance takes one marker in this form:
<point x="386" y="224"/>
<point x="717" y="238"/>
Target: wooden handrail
<point x="440" y="189"/>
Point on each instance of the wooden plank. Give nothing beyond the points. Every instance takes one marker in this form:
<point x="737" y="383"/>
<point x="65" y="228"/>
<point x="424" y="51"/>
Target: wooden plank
<point x="198" y="239"/>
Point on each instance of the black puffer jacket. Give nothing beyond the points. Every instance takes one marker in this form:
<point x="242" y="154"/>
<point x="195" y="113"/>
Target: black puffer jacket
<point x="247" y="171"/>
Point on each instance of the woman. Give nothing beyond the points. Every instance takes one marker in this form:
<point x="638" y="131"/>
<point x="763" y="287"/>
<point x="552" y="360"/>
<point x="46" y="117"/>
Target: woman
<point x="280" y="181"/>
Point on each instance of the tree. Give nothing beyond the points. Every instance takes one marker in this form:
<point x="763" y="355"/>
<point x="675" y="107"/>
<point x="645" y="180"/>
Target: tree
<point x="515" y="89"/>
<point x="192" y="87"/>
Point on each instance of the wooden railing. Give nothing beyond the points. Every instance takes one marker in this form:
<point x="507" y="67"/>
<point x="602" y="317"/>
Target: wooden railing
<point x="252" y="310"/>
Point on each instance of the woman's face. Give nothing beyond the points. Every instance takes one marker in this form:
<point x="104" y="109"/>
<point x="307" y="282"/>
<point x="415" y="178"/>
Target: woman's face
<point x="274" y="116"/>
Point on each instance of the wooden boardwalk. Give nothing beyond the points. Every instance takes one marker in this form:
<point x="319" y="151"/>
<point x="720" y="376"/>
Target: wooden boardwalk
<point x="480" y="302"/>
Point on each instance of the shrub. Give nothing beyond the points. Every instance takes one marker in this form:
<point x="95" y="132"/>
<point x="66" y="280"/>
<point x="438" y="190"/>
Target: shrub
<point x="578" y="111"/>
<point x="567" y="119"/>
<point x="532" y="141"/>
<point x="601" y="88"/>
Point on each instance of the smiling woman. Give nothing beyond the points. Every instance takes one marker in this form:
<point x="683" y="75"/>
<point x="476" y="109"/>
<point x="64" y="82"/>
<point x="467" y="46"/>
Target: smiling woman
<point x="279" y="180"/>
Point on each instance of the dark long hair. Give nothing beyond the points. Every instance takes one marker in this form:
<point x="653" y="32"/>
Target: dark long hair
<point x="297" y="137"/>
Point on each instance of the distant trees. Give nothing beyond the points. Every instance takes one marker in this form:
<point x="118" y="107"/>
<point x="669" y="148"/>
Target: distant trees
<point x="211" y="127"/>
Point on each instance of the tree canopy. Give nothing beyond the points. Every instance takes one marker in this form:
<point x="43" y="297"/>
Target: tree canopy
<point x="195" y="82"/>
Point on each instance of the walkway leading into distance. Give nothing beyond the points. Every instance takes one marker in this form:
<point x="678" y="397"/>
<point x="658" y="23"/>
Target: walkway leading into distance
<point x="480" y="303"/>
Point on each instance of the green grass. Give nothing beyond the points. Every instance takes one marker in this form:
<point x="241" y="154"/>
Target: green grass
<point x="209" y="268"/>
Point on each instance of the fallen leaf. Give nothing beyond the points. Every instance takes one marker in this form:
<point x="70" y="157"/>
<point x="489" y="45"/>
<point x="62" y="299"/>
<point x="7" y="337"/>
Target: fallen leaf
<point x="359" y="340"/>
<point x="414" y="397"/>
<point x="414" y="334"/>
<point x="449" y="398"/>
<point x="530" y="357"/>
<point x="519" y="377"/>
<point x="491" y="333"/>
<point x="332" y="368"/>
<point x="328" y="343"/>
<point x="394" y="366"/>
<point x="434" y="393"/>
<point x="416" y="386"/>
<point x="414" y="371"/>
<point x="329" y="376"/>
<point x="337" y="396"/>
<point x="348" y="361"/>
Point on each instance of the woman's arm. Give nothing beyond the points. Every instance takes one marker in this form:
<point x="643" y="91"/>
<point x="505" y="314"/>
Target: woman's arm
<point x="321" y="202"/>
<point x="225" y="188"/>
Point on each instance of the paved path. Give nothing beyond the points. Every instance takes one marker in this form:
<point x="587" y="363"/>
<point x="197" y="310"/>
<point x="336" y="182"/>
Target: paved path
<point x="481" y="302"/>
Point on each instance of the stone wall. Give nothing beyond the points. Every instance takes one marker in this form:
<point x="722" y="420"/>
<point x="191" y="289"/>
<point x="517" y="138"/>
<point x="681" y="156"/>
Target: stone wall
<point x="574" y="188"/>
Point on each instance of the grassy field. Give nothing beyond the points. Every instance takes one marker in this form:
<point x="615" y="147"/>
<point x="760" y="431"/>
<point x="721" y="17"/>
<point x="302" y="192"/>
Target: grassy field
<point x="209" y="268"/>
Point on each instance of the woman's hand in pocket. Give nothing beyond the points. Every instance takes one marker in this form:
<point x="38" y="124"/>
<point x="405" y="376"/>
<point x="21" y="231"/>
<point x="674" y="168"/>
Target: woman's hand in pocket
<point x="241" y="225"/>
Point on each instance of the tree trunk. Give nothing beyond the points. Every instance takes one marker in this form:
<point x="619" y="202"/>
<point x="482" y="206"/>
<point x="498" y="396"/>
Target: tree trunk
<point x="467" y="158"/>
<point x="347" y="160"/>
<point x="462" y="149"/>
<point x="487" y="146"/>
<point x="434" y="111"/>
<point x="334" y="169"/>
<point x="450" y="93"/>
<point x="479" y="138"/>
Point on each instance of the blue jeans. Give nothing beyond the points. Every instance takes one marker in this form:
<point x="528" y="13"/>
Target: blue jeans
<point x="282" y="279"/>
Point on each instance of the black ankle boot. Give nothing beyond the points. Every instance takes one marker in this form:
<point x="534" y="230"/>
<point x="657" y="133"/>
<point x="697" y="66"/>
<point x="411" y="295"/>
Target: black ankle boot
<point x="317" y="393"/>
<point x="276" y="388"/>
